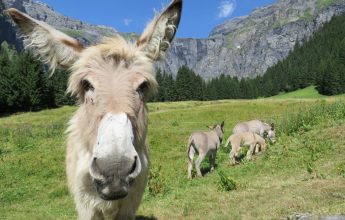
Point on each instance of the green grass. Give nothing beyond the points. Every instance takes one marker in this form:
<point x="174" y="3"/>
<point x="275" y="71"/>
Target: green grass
<point x="303" y="172"/>
<point x="306" y="93"/>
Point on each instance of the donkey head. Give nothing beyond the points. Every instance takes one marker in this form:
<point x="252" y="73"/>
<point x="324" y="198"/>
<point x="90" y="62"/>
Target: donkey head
<point x="112" y="81"/>
<point x="219" y="129"/>
<point x="271" y="133"/>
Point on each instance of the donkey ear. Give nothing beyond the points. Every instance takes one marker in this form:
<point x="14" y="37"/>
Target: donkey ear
<point x="52" y="46"/>
<point x="222" y="124"/>
<point x="159" y="33"/>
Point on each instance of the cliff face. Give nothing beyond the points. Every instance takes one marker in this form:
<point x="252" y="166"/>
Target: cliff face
<point x="247" y="46"/>
<point x="243" y="47"/>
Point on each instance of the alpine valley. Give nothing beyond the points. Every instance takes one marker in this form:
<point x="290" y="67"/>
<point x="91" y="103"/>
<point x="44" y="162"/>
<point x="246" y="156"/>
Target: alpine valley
<point x="243" y="47"/>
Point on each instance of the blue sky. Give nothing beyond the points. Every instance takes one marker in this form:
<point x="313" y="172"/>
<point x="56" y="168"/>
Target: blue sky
<point x="198" y="19"/>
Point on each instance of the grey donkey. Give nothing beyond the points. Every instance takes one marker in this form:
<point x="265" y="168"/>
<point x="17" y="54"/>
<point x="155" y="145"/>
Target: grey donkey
<point x="204" y="143"/>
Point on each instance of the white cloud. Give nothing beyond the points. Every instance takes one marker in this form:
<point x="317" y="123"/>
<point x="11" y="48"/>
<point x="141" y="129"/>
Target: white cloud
<point x="226" y="8"/>
<point x="127" y="21"/>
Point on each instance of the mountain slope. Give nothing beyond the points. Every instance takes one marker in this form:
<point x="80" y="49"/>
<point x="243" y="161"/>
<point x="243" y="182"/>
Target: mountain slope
<point x="84" y="32"/>
<point x="247" y="46"/>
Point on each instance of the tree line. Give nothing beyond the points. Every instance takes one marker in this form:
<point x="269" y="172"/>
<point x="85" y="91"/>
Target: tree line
<point x="25" y="84"/>
<point x="189" y="86"/>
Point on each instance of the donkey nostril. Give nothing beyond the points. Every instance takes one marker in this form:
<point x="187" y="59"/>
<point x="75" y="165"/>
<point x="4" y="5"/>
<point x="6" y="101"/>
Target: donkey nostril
<point x="134" y="165"/>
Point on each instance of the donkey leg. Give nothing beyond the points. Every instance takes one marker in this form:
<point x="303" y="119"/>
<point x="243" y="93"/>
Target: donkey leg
<point x="257" y="148"/>
<point x="232" y="157"/>
<point x="198" y="163"/>
<point x="250" y="151"/>
<point x="213" y="160"/>
<point x="190" y="162"/>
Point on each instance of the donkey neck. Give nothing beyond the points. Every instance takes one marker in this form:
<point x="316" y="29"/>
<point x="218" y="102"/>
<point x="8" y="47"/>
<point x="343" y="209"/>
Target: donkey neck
<point x="217" y="134"/>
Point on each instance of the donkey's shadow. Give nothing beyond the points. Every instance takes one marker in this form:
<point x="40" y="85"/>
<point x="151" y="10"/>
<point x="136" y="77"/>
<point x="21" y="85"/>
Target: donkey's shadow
<point x="205" y="168"/>
<point x="241" y="157"/>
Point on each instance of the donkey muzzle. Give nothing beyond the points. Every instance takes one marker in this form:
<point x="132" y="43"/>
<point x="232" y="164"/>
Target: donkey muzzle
<point x="113" y="180"/>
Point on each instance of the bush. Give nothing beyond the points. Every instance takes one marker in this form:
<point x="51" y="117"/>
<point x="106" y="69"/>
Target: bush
<point x="156" y="183"/>
<point x="226" y="183"/>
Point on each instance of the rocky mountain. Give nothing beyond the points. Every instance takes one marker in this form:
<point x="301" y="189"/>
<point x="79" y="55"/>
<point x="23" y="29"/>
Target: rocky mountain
<point x="7" y="32"/>
<point x="247" y="46"/>
<point x="84" y="32"/>
<point x="244" y="46"/>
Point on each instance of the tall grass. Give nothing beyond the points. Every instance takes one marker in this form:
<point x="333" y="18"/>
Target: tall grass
<point x="307" y="117"/>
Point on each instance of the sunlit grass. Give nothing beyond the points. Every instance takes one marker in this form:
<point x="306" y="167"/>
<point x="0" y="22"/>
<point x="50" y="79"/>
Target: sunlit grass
<point x="303" y="172"/>
<point x="306" y="93"/>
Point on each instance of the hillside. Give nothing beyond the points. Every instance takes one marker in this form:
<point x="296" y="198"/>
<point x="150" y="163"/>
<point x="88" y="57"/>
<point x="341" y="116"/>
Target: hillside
<point x="320" y="61"/>
<point x="307" y="93"/>
<point x="302" y="173"/>
<point x="84" y="32"/>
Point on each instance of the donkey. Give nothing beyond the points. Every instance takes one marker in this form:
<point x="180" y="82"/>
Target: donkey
<point x="107" y="154"/>
<point x="245" y="138"/>
<point x="258" y="127"/>
<point x="204" y="143"/>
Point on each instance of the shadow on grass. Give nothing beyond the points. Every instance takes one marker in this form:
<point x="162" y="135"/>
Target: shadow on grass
<point x="140" y="217"/>
<point x="240" y="158"/>
<point x="207" y="169"/>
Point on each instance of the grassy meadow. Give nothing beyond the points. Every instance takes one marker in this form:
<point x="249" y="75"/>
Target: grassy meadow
<point x="303" y="172"/>
<point x="306" y="93"/>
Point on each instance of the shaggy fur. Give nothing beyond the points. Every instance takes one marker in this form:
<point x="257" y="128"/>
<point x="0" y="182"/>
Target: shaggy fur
<point x="114" y="76"/>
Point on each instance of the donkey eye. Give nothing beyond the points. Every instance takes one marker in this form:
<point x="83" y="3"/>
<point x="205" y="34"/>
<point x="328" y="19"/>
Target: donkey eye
<point x="87" y="86"/>
<point x="143" y="87"/>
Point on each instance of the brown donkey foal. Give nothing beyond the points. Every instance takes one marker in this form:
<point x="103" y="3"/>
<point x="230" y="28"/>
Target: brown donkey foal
<point x="204" y="143"/>
<point x="107" y="157"/>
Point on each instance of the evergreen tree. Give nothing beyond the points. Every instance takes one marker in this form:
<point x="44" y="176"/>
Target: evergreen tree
<point x="57" y="86"/>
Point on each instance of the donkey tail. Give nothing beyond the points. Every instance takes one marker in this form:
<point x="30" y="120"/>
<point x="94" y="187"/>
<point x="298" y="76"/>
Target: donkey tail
<point x="190" y="149"/>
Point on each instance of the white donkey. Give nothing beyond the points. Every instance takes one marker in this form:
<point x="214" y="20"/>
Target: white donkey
<point x="107" y="153"/>
<point x="204" y="143"/>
